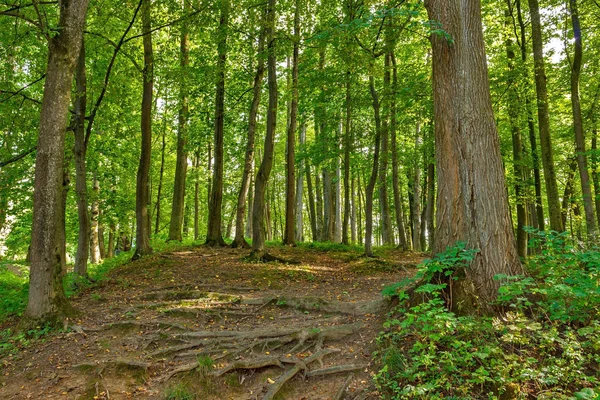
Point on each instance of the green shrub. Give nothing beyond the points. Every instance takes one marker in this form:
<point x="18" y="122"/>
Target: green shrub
<point x="428" y="352"/>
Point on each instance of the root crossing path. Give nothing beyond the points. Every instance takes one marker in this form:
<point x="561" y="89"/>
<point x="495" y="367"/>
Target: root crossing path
<point x="203" y="323"/>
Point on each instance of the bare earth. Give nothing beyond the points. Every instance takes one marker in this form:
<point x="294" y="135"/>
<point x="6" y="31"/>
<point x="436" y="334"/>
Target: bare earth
<point x="204" y="321"/>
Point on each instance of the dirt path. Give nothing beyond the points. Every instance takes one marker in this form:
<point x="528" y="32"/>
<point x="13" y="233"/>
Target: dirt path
<point x="205" y="323"/>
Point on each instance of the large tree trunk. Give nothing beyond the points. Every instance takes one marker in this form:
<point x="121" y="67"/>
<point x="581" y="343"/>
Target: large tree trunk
<point x="544" y="119"/>
<point x="213" y="235"/>
<point x="290" y="168"/>
<point x="177" y="209"/>
<point x="373" y="179"/>
<point x="142" y="198"/>
<point x="239" y="240"/>
<point x="472" y="203"/>
<point x="258" y="239"/>
<point x="47" y="300"/>
<point x="79" y="152"/>
<point x="584" y="175"/>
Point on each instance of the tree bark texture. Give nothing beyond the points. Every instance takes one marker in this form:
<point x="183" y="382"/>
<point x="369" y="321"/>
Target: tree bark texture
<point x="373" y="178"/>
<point x="142" y="198"/>
<point x="47" y="300"/>
<point x="472" y="203"/>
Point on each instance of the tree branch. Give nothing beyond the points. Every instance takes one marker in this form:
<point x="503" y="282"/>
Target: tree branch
<point x="17" y="157"/>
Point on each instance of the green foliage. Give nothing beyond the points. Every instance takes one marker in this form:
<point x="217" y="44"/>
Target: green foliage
<point x="428" y="352"/>
<point x="14" y="290"/>
<point x="179" y="392"/>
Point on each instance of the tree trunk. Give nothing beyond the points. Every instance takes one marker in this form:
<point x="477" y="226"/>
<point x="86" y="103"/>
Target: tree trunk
<point x="289" y="237"/>
<point x="311" y="204"/>
<point x="472" y="203"/>
<point x="347" y="149"/>
<point x="300" y="188"/>
<point x="196" y="196"/>
<point x="594" y="158"/>
<point x="429" y="213"/>
<point x="353" y="216"/>
<point x="142" y="198"/>
<point x="416" y="193"/>
<point x="337" y="225"/>
<point x="47" y="301"/>
<point x="258" y="222"/>
<point x="161" y="174"/>
<point x="101" y="244"/>
<point x="177" y="209"/>
<point x="66" y="182"/>
<point x="384" y="206"/>
<point x="80" y="152"/>
<point x="568" y="193"/>
<point x="95" y="214"/>
<point x="518" y="164"/>
<point x="110" y="252"/>
<point x="584" y="175"/>
<point x="544" y="119"/>
<point x="250" y="204"/>
<point x="213" y="235"/>
<point x="239" y="240"/>
<point x="374" y="170"/>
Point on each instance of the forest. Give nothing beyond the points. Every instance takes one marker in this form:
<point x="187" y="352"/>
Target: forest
<point x="285" y="199"/>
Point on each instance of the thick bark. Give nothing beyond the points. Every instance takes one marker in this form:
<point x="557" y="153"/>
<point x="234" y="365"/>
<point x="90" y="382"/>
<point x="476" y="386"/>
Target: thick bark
<point x="374" y="170"/>
<point x="402" y="242"/>
<point x="289" y="237"/>
<point x="79" y="152"/>
<point x="213" y="235"/>
<point x="300" y="188"/>
<point x="161" y="174"/>
<point x="177" y="209"/>
<point x="584" y="175"/>
<point x="258" y="239"/>
<point x="94" y="231"/>
<point x="472" y="203"/>
<point x="544" y="119"/>
<point x="142" y="198"/>
<point x="239" y="240"/>
<point x="47" y="300"/>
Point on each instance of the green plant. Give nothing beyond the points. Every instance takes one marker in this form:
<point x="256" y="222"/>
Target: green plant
<point x="205" y="364"/>
<point x="179" y="392"/>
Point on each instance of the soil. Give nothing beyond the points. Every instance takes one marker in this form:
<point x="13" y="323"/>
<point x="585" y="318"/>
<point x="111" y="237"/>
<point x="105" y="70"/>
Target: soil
<point x="205" y="323"/>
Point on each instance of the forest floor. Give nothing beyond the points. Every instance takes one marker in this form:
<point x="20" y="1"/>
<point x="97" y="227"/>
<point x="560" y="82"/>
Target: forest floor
<point x="204" y="323"/>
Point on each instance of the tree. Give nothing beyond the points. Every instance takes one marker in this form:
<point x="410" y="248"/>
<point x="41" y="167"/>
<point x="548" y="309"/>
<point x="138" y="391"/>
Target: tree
<point x="47" y="301"/>
<point x="214" y="236"/>
<point x="262" y="177"/>
<point x="142" y="198"/>
<point x="472" y="203"/>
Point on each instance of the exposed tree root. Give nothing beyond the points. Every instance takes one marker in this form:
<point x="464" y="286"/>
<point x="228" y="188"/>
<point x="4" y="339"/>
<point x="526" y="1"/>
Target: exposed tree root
<point x="335" y="370"/>
<point x="340" y="393"/>
<point x="251" y="364"/>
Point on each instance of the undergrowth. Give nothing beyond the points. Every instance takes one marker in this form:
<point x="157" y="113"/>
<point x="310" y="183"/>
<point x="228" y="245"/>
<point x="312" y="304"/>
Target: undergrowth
<point x="544" y="345"/>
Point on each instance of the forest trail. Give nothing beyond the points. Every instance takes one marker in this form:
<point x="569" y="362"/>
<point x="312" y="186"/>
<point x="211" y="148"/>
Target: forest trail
<point x="203" y="321"/>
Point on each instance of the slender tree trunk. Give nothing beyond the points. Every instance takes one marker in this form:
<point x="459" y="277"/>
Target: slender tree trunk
<point x="110" y="252"/>
<point x="373" y="179"/>
<point x="300" y="188"/>
<point x="360" y="211"/>
<point x="472" y="203"/>
<point x="384" y="207"/>
<point x="348" y="142"/>
<point x="239" y="240"/>
<point x="429" y="213"/>
<point x="568" y="193"/>
<point x="337" y="229"/>
<point x="80" y="152"/>
<point x="142" y="235"/>
<point x="395" y="168"/>
<point x="249" y="226"/>
<point x="214" y="236"/>
<point x="161" y="174"/>
<point x="311" y="203"/>
<point x="594" y="160"/>
<point x="177" y="209"/>
<point x="95" y="214"/>
<point x="584" y="175"/>
<point x="353" y="211"/>
<point x="544" y="119"/>
<point x="66" y="183"/>
<point x="196" y="196"/>
<point x="47" y="301"/>
<point x="518" y="163"/>
<point x="290" y="190"/>
<point x="101" y="244"/>
<point x="258" y="240"/>
<point x="416" y="193"/>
